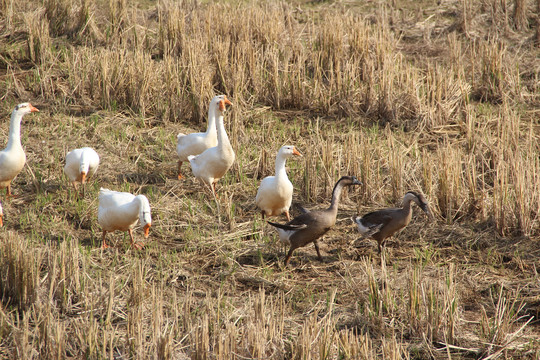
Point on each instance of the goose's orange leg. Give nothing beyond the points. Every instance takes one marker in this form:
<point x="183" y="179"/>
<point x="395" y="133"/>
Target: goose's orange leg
<point x="179" y="172"/>
<point x="287" y="215"/>
<point x="103" y="243"/>
<point x="133" y="243"/>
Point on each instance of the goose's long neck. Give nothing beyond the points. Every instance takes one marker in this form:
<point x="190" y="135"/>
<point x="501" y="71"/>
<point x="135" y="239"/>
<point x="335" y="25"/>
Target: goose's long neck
<point x="14" y="140"/>
<point x="211" y="128"/>
<point x="144" y="209"/>
<point x="223" y="139"/>
<point x="85" y="162"/>
<point x="336" y="195"/>
<point x="134" y="207"/>
<point x="280" y="166"/>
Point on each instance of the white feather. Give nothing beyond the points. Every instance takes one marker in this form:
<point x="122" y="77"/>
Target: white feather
<point x="274" y="195"/>
<point x="122" y="210"/>
<point x="84" y="159"/>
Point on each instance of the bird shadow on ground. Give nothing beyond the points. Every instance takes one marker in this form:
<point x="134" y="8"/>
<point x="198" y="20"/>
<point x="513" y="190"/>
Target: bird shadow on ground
<point x="256" y="257"/>
<point x="142" y="178"/>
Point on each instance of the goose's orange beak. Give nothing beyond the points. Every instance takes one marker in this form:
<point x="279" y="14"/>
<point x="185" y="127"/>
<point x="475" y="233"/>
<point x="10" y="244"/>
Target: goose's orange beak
<point x="296" y="152"/>
<point x="146" y="230"/>
<point x="1" y="221"/>
<point x="83" y="177"/>
<point x="33" y="109"/>
<point x="223" y="103"/>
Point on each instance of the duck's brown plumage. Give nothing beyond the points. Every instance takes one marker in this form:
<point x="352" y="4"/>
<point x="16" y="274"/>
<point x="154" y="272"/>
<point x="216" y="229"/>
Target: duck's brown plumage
<point x="310" y="226"/>
<point x="384" y="223"/>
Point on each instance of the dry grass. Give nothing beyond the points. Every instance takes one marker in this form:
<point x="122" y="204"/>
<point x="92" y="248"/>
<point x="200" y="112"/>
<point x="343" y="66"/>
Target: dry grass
<point x="406" y="96"/>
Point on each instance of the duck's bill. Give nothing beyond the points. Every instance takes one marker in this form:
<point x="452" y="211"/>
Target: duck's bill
<point x="427" y="211"/>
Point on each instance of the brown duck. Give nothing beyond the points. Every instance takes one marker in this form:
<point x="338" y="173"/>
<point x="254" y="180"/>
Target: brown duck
<point x="384" y="223"/>
<point x="311" y="225"/>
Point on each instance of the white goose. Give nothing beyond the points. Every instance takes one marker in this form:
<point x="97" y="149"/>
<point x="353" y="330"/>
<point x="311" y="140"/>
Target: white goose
<point x="275" y="192"/>
<point x="196" y="143"/>
<point x="13" y="158"/>
<point x="213" y="163"/>
<point x="121" y="211"/>
<point x="81" y="164"/>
